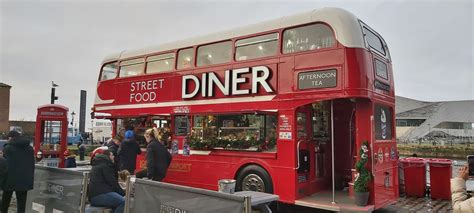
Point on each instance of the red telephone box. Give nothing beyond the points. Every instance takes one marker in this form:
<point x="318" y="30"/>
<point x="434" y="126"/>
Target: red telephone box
<point x="51" y="134"/>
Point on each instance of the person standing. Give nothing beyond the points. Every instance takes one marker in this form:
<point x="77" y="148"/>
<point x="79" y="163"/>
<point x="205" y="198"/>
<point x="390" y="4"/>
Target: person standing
<point x="114" y="146"/>
<point x="21" y="166"/>
<point x="158" y="158"/>
<point x="104" y="189"/>
<point x="82" y="151"/>
<point x="461" y="199"/>
<point x="129" y="149"/>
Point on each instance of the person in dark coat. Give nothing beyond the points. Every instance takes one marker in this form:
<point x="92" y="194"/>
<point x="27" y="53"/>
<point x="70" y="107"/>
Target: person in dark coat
<point x="158" y="158"/>
<point x="104" y="189"/>
<point x="82" y="151"/>
<point x="114" y="146"/>
<point x="3" y="171"/>
<point x="129" y="149"/>
<point x="21" y="167"/>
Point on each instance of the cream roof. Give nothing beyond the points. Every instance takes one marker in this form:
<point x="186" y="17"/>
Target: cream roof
<point x="346" y="26"/>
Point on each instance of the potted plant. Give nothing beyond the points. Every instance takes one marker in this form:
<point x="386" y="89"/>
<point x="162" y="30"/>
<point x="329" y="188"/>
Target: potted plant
<point x="363" y="176"/>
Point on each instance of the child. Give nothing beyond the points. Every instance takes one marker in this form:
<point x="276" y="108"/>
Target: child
<point x="123" y="178"/>
<point x="70" y="159"/>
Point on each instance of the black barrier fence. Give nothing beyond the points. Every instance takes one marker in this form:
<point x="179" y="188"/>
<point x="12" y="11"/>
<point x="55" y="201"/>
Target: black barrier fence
<point x="55" y="190"/>
<point x="59" y="190"/>
<point x="170" y="198"/>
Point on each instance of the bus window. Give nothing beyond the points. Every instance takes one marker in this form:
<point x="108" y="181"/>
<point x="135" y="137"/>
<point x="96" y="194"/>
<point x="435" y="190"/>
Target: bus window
<point x="214" y="53"/>
<point x="109" y="71"/>
<point x="132" y="67"/>
<point x="160" y="63"/>
<point x="235" y="131"/>
<point x="309" y="37"/>
<point x="181" y="125"/>
<point x="381" y="69"/>
<point x="185" y="58"/>
<point x="256" y="47"/>
<point x="374" y="41"/>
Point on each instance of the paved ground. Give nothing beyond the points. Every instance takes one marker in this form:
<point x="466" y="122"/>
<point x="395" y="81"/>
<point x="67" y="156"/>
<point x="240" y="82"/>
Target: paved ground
<point x="403" y="205"/>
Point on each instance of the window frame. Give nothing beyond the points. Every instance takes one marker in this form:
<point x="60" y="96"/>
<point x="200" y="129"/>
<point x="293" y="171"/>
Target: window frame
<point x="159" y="54"/>
<point x="131" y="59"/>
<point x="277" y="39"/>
<point x="367" y="45"/>
<point x="282" y="32"/>
<point x="192" y="62"/>
<point x="102" y="70"/>
<point x="231" y="41"/>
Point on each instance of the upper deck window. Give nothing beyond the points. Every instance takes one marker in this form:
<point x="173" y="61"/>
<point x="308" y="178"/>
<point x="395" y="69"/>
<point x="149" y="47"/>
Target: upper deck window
<point x="214" y="53"/>
<point x="109" y="71"/>
<point x="185" y="58"/>
<point x="132" y="67"/>
<point x="160" y="63"/>
<point x="256" y="47"/>
<point x="381" y="69"/>
<point x="374" y="41"/>
<point x="311" y="37"/>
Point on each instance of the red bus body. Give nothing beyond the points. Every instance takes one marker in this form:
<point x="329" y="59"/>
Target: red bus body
<point x="360" y="101"/>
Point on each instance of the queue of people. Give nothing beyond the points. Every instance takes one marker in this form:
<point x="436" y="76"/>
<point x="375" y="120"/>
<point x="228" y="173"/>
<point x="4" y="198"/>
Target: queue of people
<point x="111" y="166"/>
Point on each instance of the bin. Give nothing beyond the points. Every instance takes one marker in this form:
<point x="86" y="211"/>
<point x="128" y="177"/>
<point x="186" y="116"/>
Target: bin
<point x="415" y="176"/>
<point x="227" y="186"/>
<point x="440" y="175"/>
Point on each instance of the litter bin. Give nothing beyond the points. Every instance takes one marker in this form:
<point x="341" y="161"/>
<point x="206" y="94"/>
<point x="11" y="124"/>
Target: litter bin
<point x="227" y="186"/>
<point x="415" y="176"/>
<point x="440" y="175"/>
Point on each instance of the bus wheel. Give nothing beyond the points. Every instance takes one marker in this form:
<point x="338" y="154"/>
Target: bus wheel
<point x="254" y="178"/>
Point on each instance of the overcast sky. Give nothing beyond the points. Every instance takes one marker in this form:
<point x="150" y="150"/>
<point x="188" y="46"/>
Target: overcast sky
<point x="431" y="42"/>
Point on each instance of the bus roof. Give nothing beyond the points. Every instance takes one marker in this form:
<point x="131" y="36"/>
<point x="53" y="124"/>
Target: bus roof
<point x="345" y="25"/>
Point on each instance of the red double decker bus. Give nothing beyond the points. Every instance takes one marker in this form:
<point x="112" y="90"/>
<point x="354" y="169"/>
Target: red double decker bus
<point x="281" y="106"/>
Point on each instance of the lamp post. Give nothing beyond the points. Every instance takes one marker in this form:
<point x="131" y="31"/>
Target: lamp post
<point x="72" y="122"/>
<point x="53" y="92"/>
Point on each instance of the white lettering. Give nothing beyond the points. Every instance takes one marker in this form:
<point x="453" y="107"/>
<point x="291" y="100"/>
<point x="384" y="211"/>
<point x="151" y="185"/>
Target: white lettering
<point x="203" y="88"/>
<point x="205" y="85"/>
<point x="214" y="80"/>
<point x="184" y="93"/>
<point x="236" y="81"/>
<point x="260" y="80"/>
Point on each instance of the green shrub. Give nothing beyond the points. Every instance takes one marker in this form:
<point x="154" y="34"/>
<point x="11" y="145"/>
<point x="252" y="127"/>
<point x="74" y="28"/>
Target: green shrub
<point x="364" y="176"/>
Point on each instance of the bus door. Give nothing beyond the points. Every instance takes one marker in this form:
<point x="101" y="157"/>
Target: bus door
<point x="305" y="157"/>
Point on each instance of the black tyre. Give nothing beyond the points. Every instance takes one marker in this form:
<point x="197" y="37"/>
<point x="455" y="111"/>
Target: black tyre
<point x="254" y="178"/>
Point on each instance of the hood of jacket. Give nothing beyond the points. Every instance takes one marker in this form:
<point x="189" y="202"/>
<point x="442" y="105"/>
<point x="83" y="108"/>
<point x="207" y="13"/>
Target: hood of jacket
<point x="18" y="142"/>
<point x="101" y="159"/>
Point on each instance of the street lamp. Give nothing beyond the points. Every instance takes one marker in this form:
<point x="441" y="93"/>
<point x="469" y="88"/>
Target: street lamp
<point x="72" y="122"/>
<point x="53" y="92"/>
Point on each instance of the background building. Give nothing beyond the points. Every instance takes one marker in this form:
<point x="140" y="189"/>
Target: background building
<point x="4" y="108"/>
<point x="443" y="122"/>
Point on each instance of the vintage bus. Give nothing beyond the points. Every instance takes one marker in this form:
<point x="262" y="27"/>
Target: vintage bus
<point x="281" y="106"/>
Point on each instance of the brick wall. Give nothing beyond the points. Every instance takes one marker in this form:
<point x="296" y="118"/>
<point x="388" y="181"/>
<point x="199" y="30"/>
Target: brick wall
<point x="4" y="107"/>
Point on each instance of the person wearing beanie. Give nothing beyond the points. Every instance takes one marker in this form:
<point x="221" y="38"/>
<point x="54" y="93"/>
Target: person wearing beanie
<point x="129" y="149"/>
<point x="21" y="166"/>
<point x="104" y="189"/>
<point x="70" y="159"/>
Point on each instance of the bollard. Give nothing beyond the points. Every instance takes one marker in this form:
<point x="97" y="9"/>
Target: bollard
<point x="227" y="186"/>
